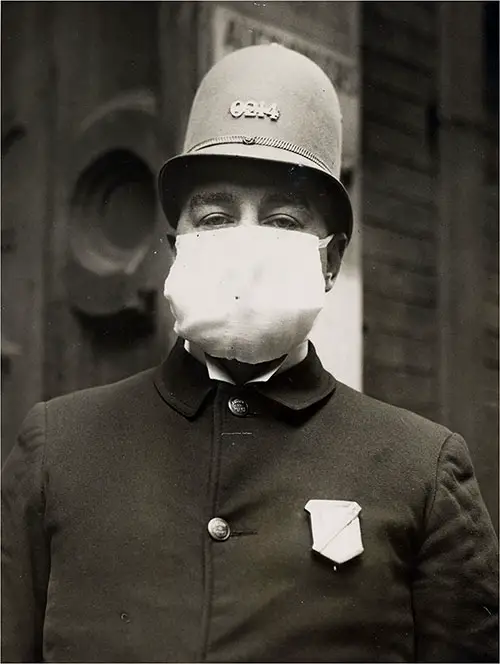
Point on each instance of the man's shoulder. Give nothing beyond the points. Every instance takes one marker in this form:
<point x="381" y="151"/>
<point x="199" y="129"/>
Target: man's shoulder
<point x="104" y="397"/>
<point x="92" y="415"/>
<point x="388" y="442"/>
<point x="380" y="420"/>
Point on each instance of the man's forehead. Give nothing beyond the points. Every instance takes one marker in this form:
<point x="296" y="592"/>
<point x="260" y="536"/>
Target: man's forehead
<point x="229" y="192"/>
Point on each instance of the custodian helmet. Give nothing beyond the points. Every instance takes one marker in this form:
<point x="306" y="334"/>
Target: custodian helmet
<point x="268" y="103"/>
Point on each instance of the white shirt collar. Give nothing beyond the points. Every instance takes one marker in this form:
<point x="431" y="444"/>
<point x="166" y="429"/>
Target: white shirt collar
<point x="217" y="372"/>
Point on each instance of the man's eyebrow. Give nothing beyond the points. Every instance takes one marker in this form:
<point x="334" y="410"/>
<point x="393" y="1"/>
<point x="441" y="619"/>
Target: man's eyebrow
<point x="287" y="198"/>
<point x="210" y="198"/>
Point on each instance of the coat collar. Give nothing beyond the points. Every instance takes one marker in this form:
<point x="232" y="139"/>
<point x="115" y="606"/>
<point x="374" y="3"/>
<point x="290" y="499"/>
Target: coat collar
<point x="183" y="382"/>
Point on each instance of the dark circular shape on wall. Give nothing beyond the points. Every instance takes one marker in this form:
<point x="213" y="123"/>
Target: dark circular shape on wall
<point x="113" y="214"/>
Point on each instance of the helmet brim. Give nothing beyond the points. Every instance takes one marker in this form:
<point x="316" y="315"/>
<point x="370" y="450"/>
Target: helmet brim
<point x="181" y="170"/>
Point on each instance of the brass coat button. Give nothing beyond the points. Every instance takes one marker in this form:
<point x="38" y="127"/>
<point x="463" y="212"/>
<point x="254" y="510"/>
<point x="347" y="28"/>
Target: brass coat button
<point x="238" y="407"/>
<point x="219" y="529"/>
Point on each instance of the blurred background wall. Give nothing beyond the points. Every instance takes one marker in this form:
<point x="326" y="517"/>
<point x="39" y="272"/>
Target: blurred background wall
<point x="95" y="97"/>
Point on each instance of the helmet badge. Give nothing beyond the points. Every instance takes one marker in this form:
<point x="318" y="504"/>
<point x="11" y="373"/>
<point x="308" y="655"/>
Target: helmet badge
<point x="254" y="109"/>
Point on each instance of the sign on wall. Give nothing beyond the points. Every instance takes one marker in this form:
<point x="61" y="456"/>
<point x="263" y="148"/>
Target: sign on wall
<point x="337" y="334"/>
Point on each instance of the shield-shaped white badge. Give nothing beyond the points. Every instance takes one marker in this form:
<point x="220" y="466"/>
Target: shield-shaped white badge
<point x="336" y="529"/>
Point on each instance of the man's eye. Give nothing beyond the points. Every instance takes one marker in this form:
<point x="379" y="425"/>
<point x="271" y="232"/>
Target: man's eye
<point x="214" y="219"/>
<point x="283" y="221"/>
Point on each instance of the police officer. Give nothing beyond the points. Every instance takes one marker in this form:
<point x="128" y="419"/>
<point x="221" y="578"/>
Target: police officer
<point x="238" y="503"/>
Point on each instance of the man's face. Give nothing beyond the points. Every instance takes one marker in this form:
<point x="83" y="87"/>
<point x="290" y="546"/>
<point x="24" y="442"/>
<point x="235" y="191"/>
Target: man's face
<point x="246" y="197"/>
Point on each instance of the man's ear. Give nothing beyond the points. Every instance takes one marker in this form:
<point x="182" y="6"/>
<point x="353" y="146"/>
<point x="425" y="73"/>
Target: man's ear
<point x="334" y="254"/>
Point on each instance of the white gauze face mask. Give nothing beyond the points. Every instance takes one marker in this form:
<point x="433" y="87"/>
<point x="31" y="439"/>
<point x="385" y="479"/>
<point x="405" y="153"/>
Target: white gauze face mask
<point x="248" y="293"/>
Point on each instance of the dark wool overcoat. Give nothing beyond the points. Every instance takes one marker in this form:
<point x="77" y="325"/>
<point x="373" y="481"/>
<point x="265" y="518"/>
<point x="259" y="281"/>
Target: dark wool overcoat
<point x="107" y="556"/>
